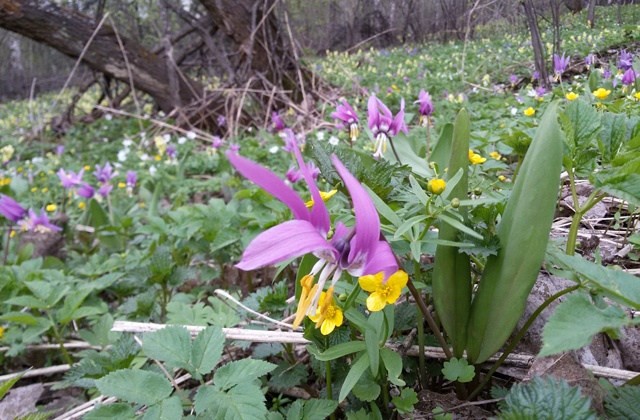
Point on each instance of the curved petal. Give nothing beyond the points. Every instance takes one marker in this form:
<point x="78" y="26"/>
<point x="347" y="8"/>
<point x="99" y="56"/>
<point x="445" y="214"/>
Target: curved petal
<point x="373" y="113"/>
<point x="339" y="232"/>
<point x="375" y="302"/>
<point x="279" y="243"/>
<point x="271" y="183"/>
<point x="319" y="216"/>
<point x="398" y="122"/>
<point x="382" y="260"/>
<point x="371" y="283"/>
<point x="367" y="220"/>
<point x="385" y="110"/>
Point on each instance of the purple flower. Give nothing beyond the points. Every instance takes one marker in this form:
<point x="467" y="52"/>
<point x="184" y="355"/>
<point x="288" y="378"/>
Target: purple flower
<point x="347" y="114"/>
<point x="222" y="121"/>
<point x="278" y="124"/>
<point x="535" y="75"/>
<point x="171" y="151"/>
<point x="70" y="179"/>
<point x="104" y="174"/>
<point x="105" y="189"/>
<point x="629" y="77"/>
<point x="86" y="191"/>
<point x="217" y="142"/>
<point x="11" y="209"/>
<point x="560" y="64"/>
<point x="234" y="147"/>
<point x="589" y="60"/>
<point x="132" y="177"/>
<point x="60" y="150"/>
<point x="382" y="124"/>
<point x="606" y="73"/>
<point x="426" y="107"/>
<point x="541" y="91"/>
<point x="291" y="141"/>
<point x="614" y="82"/>
<point x="513" y="79"/>
<point x="626" y="60"/>
<point x="294" y="175"/>
<point x="35" y="223"/>
<point x="357" y="250"/>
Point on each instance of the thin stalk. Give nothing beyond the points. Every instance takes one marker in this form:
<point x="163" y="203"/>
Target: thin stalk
<point x="428" y="135"/>
<point x="327" y="365"/>
<point x="394" y="151"/>
<point x="60" y="342"/>
<point x="6" y="248"/>
<point x="519" y="336"/>
<point x="249" y="282"/>
<point x="385" y="393"/>
<point x="429" y="318"/>
<point x="422" y="367"/>
<point x="591" y="201"/>
<point x="515" y="174"/>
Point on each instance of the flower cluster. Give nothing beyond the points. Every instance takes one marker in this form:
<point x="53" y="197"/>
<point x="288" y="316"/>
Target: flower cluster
<point x="475" y="158"/>
<point x="27" y="220"/>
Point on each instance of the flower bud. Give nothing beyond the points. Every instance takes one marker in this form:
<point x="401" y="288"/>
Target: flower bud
<point x="432" y="165"/>
<point x="342" y="297"/>
<point x="436" y="186"/>
<point x="455" y="203"/>
<point x="477" y="191"/>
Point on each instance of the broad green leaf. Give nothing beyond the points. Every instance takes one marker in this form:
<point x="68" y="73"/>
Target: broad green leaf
<point x="576" y="321"/>
<point x="118" y="411"/>
<point x="171" y="345"/>
<point x="624" y="186"/>
<point x="19" y="317"/>
<point x="367" y="388"/>
<point x="242" y="402"/>
<point x="37" y="416"/>
<point x="407" y="156"/>
<point x="355" y="372"/>
<point x="342" y="349"/>
<point x="458" y="370"/>
<point x="383" y="208"/>
<point x="169" y="409"/>
<point x="393" y="363"/>
<point x="442" y="150"/>
<point x="612" y="135"/>
<point x="458" y="225"/>
<point x="585" y="121"/>
<point x="28" y="301"/>
<point x="406" y="400"/>
<point x="356" y="318"/>
<point x="373" y="351"/>
<point x="241" y="371"/>
<point x="317" y="409"/>
<point x="206" y="350"/>
<point x="135" y="386"/>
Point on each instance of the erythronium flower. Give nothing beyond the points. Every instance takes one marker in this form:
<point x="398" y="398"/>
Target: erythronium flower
<point x="35" y="223"/>
<point x="105" y="189"/>
<point x="171" y="152"/>
<point x="383" y="293"/>
<point x="11" y="209"/>
<point x="347" y="114"/>
<point x="70" y="179"/>
<point x="513" y="79"/>
<point x="382" y="124"/>
<point x="291" y="141"/>
<point x="426" y="107"/>
<point x="535" y="75"/>
<point x="278" y="124"/>
<point x="104" y="174"/>
<point x="234" y="147"/>
<point x="629" y="77"/>
<point x="626" y="61"/>
<point x="560" y="65"/>
<point x="217" y="142"/>
<point x="59" y="150"/>
<point x="606" y="73"/>
<point x="327" y="316"/>
<point x="293" y="175"/>
<point x="358" y="249"/>
<point x="588" y="60"/>
<point x="132" y="177"/>
<point x="86" y="190"/>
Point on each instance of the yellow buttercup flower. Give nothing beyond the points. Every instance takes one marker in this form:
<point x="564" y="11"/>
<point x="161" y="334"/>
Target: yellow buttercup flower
<point x="327" y="316"/>
<point x="12" y="234"/>
<point x="637" y="95"/>
<point x="81" y="205"/>
<point x="383" y="294"/>
<point x="87" y="168"/>
<point x="571" y="96"/>
<point x="436" y="186"/>
<point x="44" y="190"/>
<point x="325" y="196"/>
<point x="34" y="189"/>
<point x="1" y="333"/>
<point x="601" y="93"/>
<point x="529" y="112"/>
<point x="501" y="178"/>
<point x="121" y="185"/>
<point x="51" y="207"/>
<point x="475" y="158"/>
<point x="495" y="155"/>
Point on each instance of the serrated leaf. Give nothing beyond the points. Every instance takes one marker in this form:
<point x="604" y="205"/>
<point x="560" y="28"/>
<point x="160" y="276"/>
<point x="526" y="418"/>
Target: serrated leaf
<point x="118" y="411"/>
<point x="286" y="376"/>
<point x="318" y="409"/>
<point x="171" y="345"/>
<point x="184" y="314"/>
<point x="405" y="401"/>
<point x="206" y="350"/>
<point x="169" y="409"/>
<point x="576" y="321"/>
<point x="6" y="385"/>
<point x="585" y="121"/>
<point x="623" y="403"/>
<point x="241" y="371"/>
<point x="242" y="402"/>
<point x="135" y="386"/>
<point x="612" y="135"/>
<point x="458" y="370"/>
<point x="546" y="400"/>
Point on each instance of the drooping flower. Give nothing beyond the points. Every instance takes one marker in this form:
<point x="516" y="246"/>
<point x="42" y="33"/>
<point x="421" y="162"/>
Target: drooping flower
<point x="328" y="316"/>
<point x="347" y="115"/>
<point x="601" y="93"/>
<point x="132" y="177"/>
<point x="278" y="124"/>
<point x="105" y="189"/>
<point x="571" y="96"/>
<point x="629" y="77"/>
<point x="606" y="73"/>
<point x="104" y="174"/>
<point x="292" y="141"/>
<point x="436" y="186"/>
<point x="383" y="293"/>
<point x="86" y="191"/>
<point x="383" y="124"/>
<point x="11" y="209"/>
<point x="426" y="107"/>
<point x="293" y="175"/>
<point x="626" y="61"/>
<point x="70" y="179"/>
<point x="560" y="65"/>
<point x="35" y="223"/>
<point x="217" y="142"/>
<point x="357" y="250"/>
<point x="234" y="147"/>
<point x="513" y="79"/>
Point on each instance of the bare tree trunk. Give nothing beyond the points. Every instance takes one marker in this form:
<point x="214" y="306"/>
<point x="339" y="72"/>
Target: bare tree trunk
<point x="591" y="16"/>
<point x="538" y="51"/>
<point x="69" y="31"/>
<point x="620" y="12"/>
<point x="555" y="13"/>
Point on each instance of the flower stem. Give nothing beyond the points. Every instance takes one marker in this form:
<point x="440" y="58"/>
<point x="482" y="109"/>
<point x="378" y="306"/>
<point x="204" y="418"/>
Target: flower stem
<point x="519" y="336"/>
<point x="429" y="318"/>
<point x="327" y="365"/>
<point x="394" y="151"/>
<point x="60" y="343"/>
<point x="6" y="247"/>
<point x="421" y="363"/>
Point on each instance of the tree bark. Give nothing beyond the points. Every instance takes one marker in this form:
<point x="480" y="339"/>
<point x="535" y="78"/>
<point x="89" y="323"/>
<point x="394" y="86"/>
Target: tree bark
<point x="68" y="32"/>
<point x="591" y="16"/>
<point x="538" y="51"/>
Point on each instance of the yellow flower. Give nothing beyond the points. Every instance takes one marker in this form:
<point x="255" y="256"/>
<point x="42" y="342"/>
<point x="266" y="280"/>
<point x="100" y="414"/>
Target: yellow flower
<point x="306" y="297"/>
<point x="325" y="196"/>
<point x="475" y="158"/>
<point x="158" y="158"/>
<point x="44" y="190"/>
<point x="12" y="234"/>
<point x="1" y="333"/>
<point x="142" y="205"/>
<point x="637" y="95"/>
<point x="383" y="294"/>
<point x="81" y="205"/>
<point x="501" y="178"/>
<point x="34" y="189"/>
<point x="601" y="93"/>
<point x="20" y="169"/>
<point x="121" y="185"/>
<point x="436" y="186"/>
<point x="529" y="112"/>
<point x="51" y="207"/>
<point x="571" y="96"/>
<point x="327" y="316"/>
<point x="495" y="155"/>
<point x="87" y="168"/>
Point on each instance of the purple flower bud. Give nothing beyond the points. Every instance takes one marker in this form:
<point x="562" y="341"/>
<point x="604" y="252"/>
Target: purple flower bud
<point x="560" y="64"/>
<point x="629" y="77"/>
<point x="132" y="177"/>
<point x="35" y="223"/>
<point x="217" y="142"/>
<point x="171" y="151"/>
<point x="11" y="209"/>
<point x="513" y="79"/>
<point x="278" y="124"/>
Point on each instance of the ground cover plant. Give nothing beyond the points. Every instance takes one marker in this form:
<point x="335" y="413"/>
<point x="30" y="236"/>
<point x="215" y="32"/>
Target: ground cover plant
<point x="448" y="239"/>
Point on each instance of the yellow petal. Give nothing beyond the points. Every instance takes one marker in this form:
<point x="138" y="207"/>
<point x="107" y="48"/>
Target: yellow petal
<point x="327" y="327"/>
<point x="375" y="302"/>
<point x="398" y="280"/>
<point x="337" y="318"/>
<point x="371" y="283"/>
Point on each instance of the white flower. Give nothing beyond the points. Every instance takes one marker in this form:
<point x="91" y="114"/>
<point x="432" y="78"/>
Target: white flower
<point x="127" y="142"/>
<point x="182" y="140"/>
<point x="274" y="149"/>
<point x="117" y="165"/>
<point x="122" y="155"/>
<point x="320" y="135"/>
<point x="152" y="170"/>
<point x="333" y="140"/>
<point x="514" y="110"/>
<point x="191" y="135"/>
<point x="144" y="157"/>
<point x="108" y="117"/>
<point x="166" y="138"/>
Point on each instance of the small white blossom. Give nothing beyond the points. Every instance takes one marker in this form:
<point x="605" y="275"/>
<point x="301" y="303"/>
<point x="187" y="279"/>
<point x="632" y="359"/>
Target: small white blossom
<point x="166" y="138"/>
<point x="320" y="135"/>
<point x="182" y="140"/>
<point x="274" y="149"/>
<point x="108" y="117"/>
<point x="191" y="135"/>
<point x="127" y="142"/>
<point x="333" y="140"/>
<point x="152" y="170"/>
<point x="514" y="111"/>
<point x="144" y="157"/>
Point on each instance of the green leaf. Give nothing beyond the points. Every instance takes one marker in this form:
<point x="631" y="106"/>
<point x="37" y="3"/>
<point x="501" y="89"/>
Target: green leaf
<point x="241" y="371"/>
<point x="546" y="400"/>
<point x="37" y="416"/>
<point x="393" y="363"/>
<point x="623" y="403"/>
<point x="367" y="388"/>
<point x="342" y="349"/>
<point x="383" y="208"/>
<point x="20" y="317"/>
<point x="118" y="411"/>
<point x="585" y="121"/>
<point x="357" y="369"/>
<point x="418" y="191"/>
<point x="169" y="409"/>
<point x="286" y="376"/>
<point x="135" y="386"/>
<point x="442" y="149"/>
<point x="317" y="409"/>
<point x="242" y="402"/>
<point x="408" y="224"/>
<point x="171" y="345"/>
<point x="6" y="385"/>
<point x="373" y="350"/>
<point x="25" y="253"/>
<point x="28" y="301"/>
<point x="612" y="135"/>
<point x="184" y="314"/>
<point x="624" y="186"/>
<point x="458" y="225"/>
<point x="206" y="350"/>
<point x="405" y="401"/>
<point x="576" y="321"/>
<point x="458" y="370"/>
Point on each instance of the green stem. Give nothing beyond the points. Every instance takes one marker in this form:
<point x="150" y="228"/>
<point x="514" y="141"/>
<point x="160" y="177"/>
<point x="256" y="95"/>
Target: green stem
<point x="515" y="174"/>
<point x="385" y="393"/>
<point x="327" y="365"/>
<point x="394" y="152"/>
<point x="477" y="263"/>
<point x="6" y="248"/>
<point x="422" y="367"/>
<point x="429" y="318"/>
<point x="66" y="355"/>
<point x="519" y="336"/>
